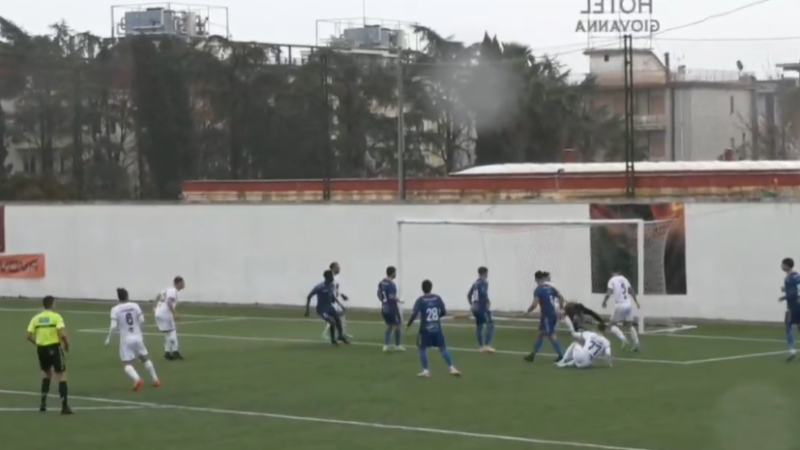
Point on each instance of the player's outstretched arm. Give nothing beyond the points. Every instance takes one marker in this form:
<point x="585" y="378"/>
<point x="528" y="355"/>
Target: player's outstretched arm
<point x="533" y="306"/>
<point x="593" y="315"/>
<point x="308" y="300"/>
<point x="111" y="329"/>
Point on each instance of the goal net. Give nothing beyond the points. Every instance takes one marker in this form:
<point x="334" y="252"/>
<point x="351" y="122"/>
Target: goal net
<point x="579" y="254"/>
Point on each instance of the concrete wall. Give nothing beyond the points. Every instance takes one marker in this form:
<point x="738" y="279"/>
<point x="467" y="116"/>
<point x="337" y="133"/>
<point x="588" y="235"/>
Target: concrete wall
<point x="275" y="254"/>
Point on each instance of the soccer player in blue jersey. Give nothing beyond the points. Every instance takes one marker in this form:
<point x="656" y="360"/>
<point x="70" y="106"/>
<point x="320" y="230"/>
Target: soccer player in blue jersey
<point x="791" y="295"/>
<point x="430" y="309"/>
<point x="478" y="298"/>
<point x="390" y="310"/>
<point x="550" y="300"/>
<point x="326" y="297"/>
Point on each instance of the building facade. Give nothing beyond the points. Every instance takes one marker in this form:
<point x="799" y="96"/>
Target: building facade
<point x="681" y="115"/>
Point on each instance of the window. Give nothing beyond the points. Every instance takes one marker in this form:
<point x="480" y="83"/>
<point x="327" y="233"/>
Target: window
<point x="605" y="58"/>
<point x="29" y="163"/>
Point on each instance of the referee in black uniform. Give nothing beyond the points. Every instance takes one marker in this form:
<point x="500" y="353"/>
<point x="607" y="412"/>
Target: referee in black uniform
<point x="47" y="331"/>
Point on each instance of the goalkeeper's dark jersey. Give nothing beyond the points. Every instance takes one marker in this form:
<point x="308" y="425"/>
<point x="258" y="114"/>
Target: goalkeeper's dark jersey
<point x="576" y="313"/>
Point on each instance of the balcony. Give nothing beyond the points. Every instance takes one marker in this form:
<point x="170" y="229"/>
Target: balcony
<point x="649" y="122"/>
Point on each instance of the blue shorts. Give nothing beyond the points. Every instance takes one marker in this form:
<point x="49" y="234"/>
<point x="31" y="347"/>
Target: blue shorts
<point x="427" y="339"/>
<point x="327" y="314"/>
<point x="482" y="317"/>
<point x="793" y="317"/>
<point x="547" y="324"/>
<point x="391" y="317"/>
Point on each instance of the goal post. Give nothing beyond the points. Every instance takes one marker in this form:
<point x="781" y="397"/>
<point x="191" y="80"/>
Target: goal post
<point x="579" y="254"/>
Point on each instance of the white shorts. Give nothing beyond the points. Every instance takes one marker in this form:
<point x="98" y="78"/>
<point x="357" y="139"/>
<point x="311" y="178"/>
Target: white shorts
<point x="165" y="321"/>
<point x="132" y="347"/>
<point x="622" y="313"/>
<point x="582" y="358"/>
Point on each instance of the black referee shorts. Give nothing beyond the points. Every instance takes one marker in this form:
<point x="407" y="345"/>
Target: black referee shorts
<point x="51" y="357"/>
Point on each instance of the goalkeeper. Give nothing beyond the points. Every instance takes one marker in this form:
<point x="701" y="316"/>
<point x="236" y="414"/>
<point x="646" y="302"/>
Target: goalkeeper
<point x="574" y="314"/>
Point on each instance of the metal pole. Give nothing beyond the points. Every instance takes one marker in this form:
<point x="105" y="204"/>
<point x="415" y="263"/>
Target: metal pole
<point x="401" y="128"/>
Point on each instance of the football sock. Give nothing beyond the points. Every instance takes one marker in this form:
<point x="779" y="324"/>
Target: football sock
<point x="557" y="347"/>
<point x="479" y="334"/>
<point x="63" y="393"/>
<point x="45" y="389"/>
<point x="332" y="333"/>
<point x="387" y="336"/>
<point x="538" y="345"/>
<point x="789" y="335"/>
<point x="173" y="338"/>
<point x="344" y="324"/>
<point x="423" y="358"/>
<point x="489" y="334"/>
<point x="447" y="358"/>
<point x="397" y="337"/>
<point x="338" y="322"/>
<point x="167" y="343"/>
<point x="131" y="372"/>
<point x="619" y="334"/>
<point x="152" y="369"/>
<point x="634" y="335"/>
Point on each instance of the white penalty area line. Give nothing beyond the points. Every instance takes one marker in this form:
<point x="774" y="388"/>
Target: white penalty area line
<point x="735" y="357"/>
<point x="75" y="408"/>
<point x="369" y="344"/>
<point x="352" y="423"/>
<point x="187" y="322"/>
<point x="448" y="324"/>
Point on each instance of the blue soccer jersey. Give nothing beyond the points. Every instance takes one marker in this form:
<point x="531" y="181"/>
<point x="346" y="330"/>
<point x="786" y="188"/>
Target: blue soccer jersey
<point x="547" y="297"/>
<point x="390" y="308"/>
<point x="430" y="309"/>
<point x="326" y="297"/>
<point x="478" y="296"/>
<point x="791" y="288"/>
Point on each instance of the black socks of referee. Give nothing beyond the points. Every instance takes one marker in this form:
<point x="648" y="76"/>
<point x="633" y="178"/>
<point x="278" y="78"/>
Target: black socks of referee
<point x="338" y="323"/>
<point x="332" y="331"/>
<point x="45" y="390"/>
<point x="62" y="392"/>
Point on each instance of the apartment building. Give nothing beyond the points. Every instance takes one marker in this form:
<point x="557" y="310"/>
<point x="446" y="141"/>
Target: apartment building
<point x="680" y="115"/>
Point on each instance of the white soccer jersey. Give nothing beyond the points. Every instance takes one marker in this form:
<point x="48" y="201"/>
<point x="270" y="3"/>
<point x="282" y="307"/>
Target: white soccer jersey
<point x="619" y="286"/>
<point x="168" y="296"/>
<point x="596" y="345"/>
<point x="336" y="293"/>
<point x="129" y="320"/>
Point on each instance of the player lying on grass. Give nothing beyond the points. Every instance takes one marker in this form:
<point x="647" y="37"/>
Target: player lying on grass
<point x="587" y="347"/>
<point x="791" y="295"/>
<point x="550" y="301"/>
<point x="325" y="300"/>
<point x="575" y="313"/>
<point x="166" y="304"/>
<point x="340" y="297"/>
<point x="478" y="299"/>
<point x="623" y="293"/>
<point x="390" y="310"/>
<point x="127" y="320"/>
<point x="430" y="310"/>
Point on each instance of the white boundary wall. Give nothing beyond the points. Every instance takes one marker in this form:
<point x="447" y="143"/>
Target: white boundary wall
<point x="274" y="254"/>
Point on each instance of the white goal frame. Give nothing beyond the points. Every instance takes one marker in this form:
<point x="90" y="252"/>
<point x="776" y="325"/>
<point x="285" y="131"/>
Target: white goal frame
<point x="587" y="223"/>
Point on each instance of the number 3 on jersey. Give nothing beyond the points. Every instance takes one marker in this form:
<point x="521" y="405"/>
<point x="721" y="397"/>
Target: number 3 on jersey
<point x="432" y="314"/>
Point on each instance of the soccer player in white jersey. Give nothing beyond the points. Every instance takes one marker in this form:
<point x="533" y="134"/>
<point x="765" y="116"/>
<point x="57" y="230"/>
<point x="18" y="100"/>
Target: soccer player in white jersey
<point x="127" y="320"/>
<point x="623" y="293"/>
<point x="166" y="303"/>
<point x="340" y="297"/>
<point x="587" y="348"/>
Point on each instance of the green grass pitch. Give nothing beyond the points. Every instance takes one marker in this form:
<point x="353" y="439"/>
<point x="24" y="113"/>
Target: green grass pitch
<point x="259" y="378"/>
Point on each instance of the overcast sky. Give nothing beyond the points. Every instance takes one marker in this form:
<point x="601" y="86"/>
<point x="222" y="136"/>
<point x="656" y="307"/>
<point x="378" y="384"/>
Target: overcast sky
<point x="760" y="36"/>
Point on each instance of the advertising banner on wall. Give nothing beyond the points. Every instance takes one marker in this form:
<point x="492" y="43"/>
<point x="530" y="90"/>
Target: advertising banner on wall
<point x="22" y="266"/>
<point x="615" y="247"/>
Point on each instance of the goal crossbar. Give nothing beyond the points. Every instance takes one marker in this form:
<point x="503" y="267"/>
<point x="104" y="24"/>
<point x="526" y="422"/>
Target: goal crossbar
<point x="639" y="223"/>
